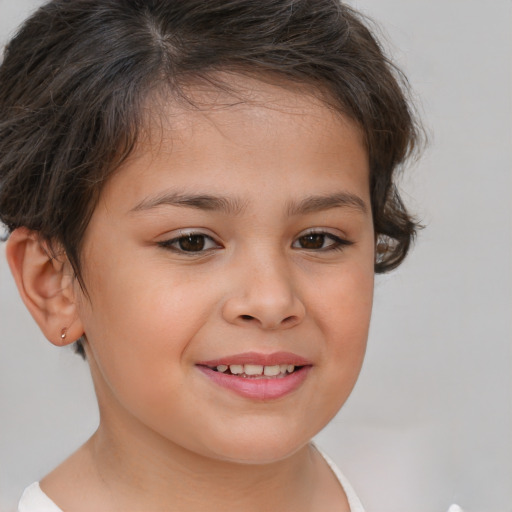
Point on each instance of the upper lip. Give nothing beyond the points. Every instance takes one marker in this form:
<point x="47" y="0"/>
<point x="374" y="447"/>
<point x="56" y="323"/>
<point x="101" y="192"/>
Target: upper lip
<point x="272" y="359"/>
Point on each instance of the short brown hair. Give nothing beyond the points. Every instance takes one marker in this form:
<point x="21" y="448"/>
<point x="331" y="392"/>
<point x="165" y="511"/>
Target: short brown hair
<point x="75" y="77"/>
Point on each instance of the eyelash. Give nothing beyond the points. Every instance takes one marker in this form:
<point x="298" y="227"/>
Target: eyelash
<point x="338" y="244"/>
<point x="173" y="244"/>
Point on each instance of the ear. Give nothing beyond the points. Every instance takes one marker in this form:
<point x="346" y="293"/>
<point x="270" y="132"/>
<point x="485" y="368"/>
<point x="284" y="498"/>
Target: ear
<point x="46" y="285"/>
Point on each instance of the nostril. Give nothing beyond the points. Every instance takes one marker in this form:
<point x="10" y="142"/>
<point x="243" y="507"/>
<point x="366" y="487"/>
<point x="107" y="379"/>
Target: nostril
<point x="247" y="317"/>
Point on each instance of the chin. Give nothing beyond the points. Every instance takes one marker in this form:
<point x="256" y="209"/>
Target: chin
<point x="255" y="455"/>
<point x="264" y="446"/>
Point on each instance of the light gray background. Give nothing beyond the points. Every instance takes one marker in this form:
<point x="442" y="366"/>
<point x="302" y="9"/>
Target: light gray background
<point x="430" y="421"/>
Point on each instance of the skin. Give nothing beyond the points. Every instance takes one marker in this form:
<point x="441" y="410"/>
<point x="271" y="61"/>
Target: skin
<point x="167" y="434"/>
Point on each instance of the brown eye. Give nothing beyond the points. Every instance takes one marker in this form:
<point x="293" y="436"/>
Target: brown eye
<point x="192" y="243"/>
<point x="312" y="241"/>
<point x="324" y="242"/>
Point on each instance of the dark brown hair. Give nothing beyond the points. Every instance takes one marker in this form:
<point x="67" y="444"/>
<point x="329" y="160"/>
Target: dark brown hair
<point x="75" y="79"/>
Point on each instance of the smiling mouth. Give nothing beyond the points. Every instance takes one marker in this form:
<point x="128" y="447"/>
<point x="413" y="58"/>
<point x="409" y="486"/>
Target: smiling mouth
<point x="258" y="376"/>
<point x="256" y="371"/>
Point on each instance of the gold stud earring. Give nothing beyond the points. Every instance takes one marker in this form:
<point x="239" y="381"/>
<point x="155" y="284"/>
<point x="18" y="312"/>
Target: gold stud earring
<point x="63" y="334"/>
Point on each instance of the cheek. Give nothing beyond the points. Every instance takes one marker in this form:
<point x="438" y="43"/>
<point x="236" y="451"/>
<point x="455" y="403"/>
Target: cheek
<point x="343" y="300"/>
<point x="343" y="311"/>
<point x="140" y="327"/>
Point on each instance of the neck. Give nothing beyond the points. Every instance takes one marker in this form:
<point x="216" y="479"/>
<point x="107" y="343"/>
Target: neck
<point x="114" y="472"/>
<point x="149" y="473"/>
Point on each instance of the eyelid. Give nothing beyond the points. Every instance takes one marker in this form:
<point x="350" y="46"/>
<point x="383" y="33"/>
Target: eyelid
<point x="168" y="243"/>
<point x="322" y="231"/>
<point x="340" y="241"/>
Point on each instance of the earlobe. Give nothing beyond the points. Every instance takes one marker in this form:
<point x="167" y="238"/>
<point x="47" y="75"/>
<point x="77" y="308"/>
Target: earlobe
<point x="45" y="283"/>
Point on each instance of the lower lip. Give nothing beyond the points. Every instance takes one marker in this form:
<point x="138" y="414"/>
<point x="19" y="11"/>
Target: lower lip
<point x="263" y="388"/>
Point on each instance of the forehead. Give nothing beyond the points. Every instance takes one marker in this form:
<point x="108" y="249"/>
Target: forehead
<point x="249" y="129"/>
<point x="240" y="101"/>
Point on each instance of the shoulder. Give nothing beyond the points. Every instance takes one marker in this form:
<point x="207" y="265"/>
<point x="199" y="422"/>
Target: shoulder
<point x="34" y="499"/>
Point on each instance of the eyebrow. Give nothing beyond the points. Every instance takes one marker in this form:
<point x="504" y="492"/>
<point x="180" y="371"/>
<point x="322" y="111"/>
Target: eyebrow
<point x="235" y="206"/>
<point x="313" y="204"/>
<point x="206" y="202"/>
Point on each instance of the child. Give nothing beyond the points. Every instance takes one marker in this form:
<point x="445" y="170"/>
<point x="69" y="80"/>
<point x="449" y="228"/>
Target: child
<point x="198" y="195"/>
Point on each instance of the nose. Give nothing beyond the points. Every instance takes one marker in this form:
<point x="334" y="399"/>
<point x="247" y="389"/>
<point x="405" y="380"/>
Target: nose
<point x="264" y="295"/>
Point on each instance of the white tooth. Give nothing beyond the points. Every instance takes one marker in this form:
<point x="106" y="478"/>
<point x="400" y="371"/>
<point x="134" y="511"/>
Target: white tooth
<point x="271" y="371"/>
<point x="290" y="368"/>
<point x="253" y="369"/>
<point x="222" y="368"/>
<point x="283" y="368"/>
<point x="236" y="369"/>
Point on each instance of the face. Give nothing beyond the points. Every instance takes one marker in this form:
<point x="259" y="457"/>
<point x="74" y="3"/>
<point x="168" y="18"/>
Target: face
<point x="229" y="270"/>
